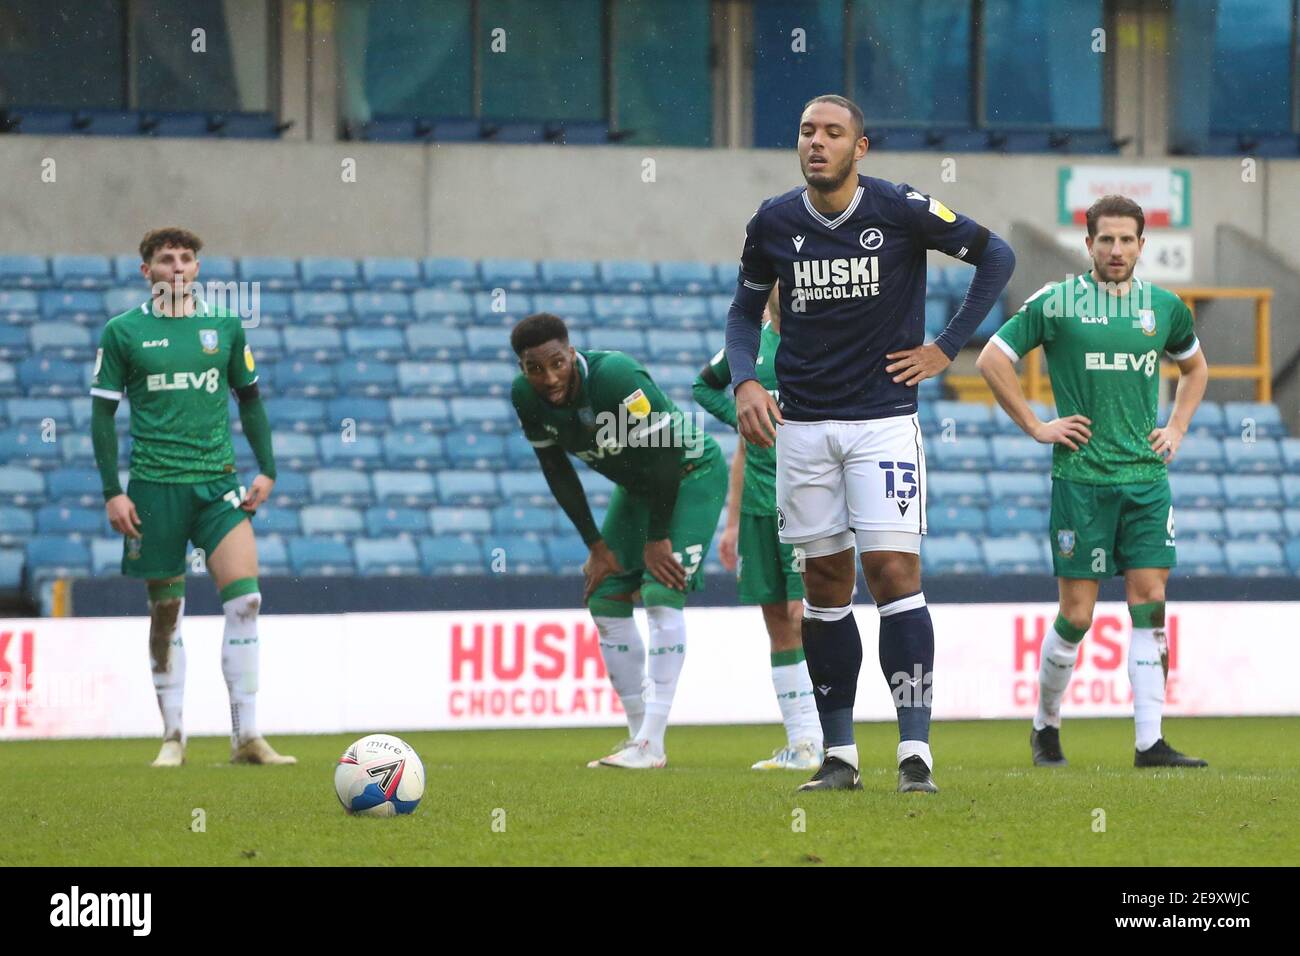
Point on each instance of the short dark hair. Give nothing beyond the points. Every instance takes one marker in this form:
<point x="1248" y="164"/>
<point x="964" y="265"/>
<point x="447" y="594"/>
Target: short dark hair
<point x="156" y="239"/>
<point x="1115" y="205"/>
<point x="855" y="111"/>
<point x="537" y="329"/>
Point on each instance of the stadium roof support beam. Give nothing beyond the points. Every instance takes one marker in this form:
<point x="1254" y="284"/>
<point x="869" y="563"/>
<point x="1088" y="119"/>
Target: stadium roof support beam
<point x="733" y="74"/>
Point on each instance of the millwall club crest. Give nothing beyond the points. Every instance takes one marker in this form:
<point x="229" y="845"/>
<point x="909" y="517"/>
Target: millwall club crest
<point x="1147" y="321"/>
<point x="208" y="339"/>
<point x="1065" y="543"/>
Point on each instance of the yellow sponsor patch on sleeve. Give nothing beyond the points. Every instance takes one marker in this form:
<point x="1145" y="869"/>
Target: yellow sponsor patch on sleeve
<point x="637" y="405"/>
<point x="942" y="211"/>
<point x="248" y="358"/>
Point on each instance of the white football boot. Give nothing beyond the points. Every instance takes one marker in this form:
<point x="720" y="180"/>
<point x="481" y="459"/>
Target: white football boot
<point x="804" y="755"/>
<point x="637" y="755"/>
<point x="172" y="754"/>
<point x="257" y="751"/>
<point x="622" y="745"/>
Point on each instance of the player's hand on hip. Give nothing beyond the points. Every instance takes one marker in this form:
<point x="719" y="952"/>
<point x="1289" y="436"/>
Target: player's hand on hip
<point x="257" y="495"/>
<point x="1166" y="441"/>
<point x="727" y="546"/>
<point x="913" y="366"/>
<point x="1071" y="431"/>
<point x="660" y="562"/>
<point x="755" y="411"/>
<point x="599" y="565"/>
<point x="122" y="516"/>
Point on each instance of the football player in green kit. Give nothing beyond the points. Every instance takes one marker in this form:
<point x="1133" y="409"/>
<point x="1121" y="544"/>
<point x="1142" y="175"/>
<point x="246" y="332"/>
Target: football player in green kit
<point x="176" y="359"/>
<point x="1112" y="513"/>
<point x="604" y="408"/>
<point x="768" y="571"/>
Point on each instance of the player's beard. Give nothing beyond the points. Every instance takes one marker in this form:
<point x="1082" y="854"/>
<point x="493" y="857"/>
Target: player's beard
<point x="1104" y="270"/>
<point x="828" y="180"/>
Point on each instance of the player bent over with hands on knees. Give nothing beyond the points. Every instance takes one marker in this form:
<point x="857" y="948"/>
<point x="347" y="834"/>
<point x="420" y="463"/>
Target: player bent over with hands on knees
<point x="174" y="357"/>
<point x="849" y="252"/>
<point x="1112" y="512"/>
<point x="670" y="480"/>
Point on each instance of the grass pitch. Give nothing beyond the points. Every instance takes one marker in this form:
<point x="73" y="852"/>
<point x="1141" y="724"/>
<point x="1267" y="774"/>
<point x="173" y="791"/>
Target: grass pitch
<point x="91" y="803"/>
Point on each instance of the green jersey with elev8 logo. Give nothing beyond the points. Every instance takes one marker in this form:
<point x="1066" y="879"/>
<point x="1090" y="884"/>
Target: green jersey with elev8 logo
<point x="177" y="373"/>
<point x="1103" y="358"/>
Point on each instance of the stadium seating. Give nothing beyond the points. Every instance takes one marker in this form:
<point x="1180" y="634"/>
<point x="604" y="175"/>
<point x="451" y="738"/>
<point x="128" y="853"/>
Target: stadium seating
<point x="388" y="386"/>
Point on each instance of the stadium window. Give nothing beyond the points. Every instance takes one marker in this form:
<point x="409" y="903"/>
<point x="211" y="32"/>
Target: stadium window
<point x="406" y="58"/>
<point x="660" y="68"/>
<point x="1039" y="65"/>
<point x="225" y="67"/>
<point x="541" y="61"/>
<point x="65" y="54"/>
<point x="798" y="54"/>
<point x="900" y="75"/>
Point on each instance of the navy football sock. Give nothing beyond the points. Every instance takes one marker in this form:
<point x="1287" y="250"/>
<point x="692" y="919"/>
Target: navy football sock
<point x="833" y="649"/>
<point x="907" y="661"/>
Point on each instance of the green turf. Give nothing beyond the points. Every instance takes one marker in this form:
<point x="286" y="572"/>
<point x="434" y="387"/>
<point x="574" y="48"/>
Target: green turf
<point x="98" y="802"/>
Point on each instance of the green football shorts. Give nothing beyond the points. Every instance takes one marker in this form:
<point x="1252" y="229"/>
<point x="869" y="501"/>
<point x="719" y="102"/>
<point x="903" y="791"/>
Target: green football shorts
<point x="173" y="514"/>
<point x="766" y="569"/>
<point x="1101" y="530"/>
<point x="695" y="517"/>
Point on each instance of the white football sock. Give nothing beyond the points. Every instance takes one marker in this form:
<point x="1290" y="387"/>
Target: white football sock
<point x="1055" y="667"/>
<point x="239" y="659"/>
<point x="794" y="695"/>
<point x="624" y="652"/>
<point x="667" y="654"/>
<point x="167" y="661"/>
<point x="1147" y="675"/>
<point x="915" y="748"/>
<point x="846" y="752"/>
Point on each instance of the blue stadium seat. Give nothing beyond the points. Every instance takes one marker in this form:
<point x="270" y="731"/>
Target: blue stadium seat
<point x="597" y="487"/>
<point x="488" y="344"/>
<point x="272" y="305"/>
<point x="955" y="519"/>
<point x="676" y="379"/>
<point x="967" y="418"/>
<point x="486" y="414"/>
<point x="65" y="340"/>
<point x="322" y="344"/>
<point x="680" y="311"/>
<point x="106" y="556"/>
<point x="425" y="414"/>
<point x="309" y="378"/>
<point x="299" y="414"/>
<point x="695" y="278"/>
<point x="1255" y="558"/>
<point x="1020" y="453"/>
<point x="1207" y="420"/>
<point x="1197" y="490"/>
<point x="514" y="520"/>
<point x="501" y="308"/>
<point x="1261" y="456"/>
<point x="274" y="521"/>
<point x="677" y="346"/>
<point x="460" y="520"/>
<point x="1291" y="522"/>
<point x="340" y="486"/>
<point x="82" y="306"/>
<point x="947" y="488"/>
<point x="1014" y="556"/>
<point x="384" y="309"/>
<point x="23" y="446"/>
<point x="1199" y="453"/>
<point x="330" y="519"/>
<point x="631" y="341"/>
<point x="477" y="450"/>
<point x="1255" y="523"/>
<point x="126" y="269"/>
<point x="443" y="305"/>
<point x="628" y="310"/>
<point x="1013" y="520"/>
<point x="35" y="410"/>
<point x="361" y="451"/>
<point x="79" y="451"/>
<point x="388" y="520"/>
<point x="1199" y="557"/>
<point x="632" y="275"/>
<point x="1267" y="418"/>
<point x="408" y="448"/>
<point x="567" y="275"/>
<point x="81" y="272"/>
<point x="11" y="569"/>
<point x="486" y="378"/>
<point x="725" y="277"/>
<point x="1197" y="523"/>
<point x="937" y="314"/>
<point x="573" y="308"/>
<point x="319" y="308"/>
<point x="329" y="272"/>
<point x="270" y="272"/>
<point x="428" y="378"/>
<point x="79" y="486"/>
<point x="266" y="342"/>
<point x="964" y="454"/>
<point x="522" y="554"/>
<point x="516" y="275"/>
<point x="957" y="279"/>
<point x="719" y="304"/>
<point x="1253" y="491"/>
<point x="390" y="273"/>
<point x="24" y="272"/>
<point x="1291" y="490"/>
<point x="17" y="525"/>
<point x="273" y="556"/>
<point x="320" y="555"/>
<point x="951" y="554"/>
<point x="409" y="488"/>
<point x="1026" y="489"/>
<point x="429" y="340"/>
<point x="291" y="490"/>
<point x="387" y="556"/>
<point x="1292" y="552"/>
<point x="56" y="556"/>
<point x="1290" y="450"/>
<point x="567" y="553"/>
<point x="522" y="488"/>
<point x="451" y="272"/>
<point x="451" y="554"/>
<point x="475" y="488"/>
<point x="19" y="306"/>
<point x="374" y="377"/>
<point x="519" y="453"/>
<point x="80" y="407"/>
<point x="211" y="269"/>
<point x="369" y="414"/>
